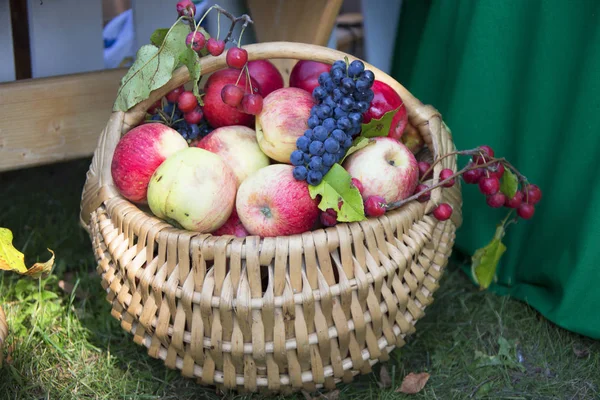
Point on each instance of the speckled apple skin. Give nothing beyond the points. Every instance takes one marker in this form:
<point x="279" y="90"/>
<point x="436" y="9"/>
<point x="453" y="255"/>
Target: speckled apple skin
<point x="271" y="202"/>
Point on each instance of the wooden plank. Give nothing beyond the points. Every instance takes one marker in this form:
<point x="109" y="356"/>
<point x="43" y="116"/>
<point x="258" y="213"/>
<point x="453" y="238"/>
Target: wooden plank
<point x="380" y="25"/>
<point x="77" y="46"/>
<point x="149" y="15"/>
<point x="7" y="61"/>
<point x="54" y="119"/>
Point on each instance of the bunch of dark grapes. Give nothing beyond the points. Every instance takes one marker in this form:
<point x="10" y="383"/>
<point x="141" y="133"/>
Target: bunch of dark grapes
<point x="344" y="94"/>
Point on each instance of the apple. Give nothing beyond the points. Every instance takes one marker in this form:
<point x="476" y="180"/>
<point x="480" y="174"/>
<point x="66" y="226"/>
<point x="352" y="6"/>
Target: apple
<point x="305" y="74"/>
<point x="271" y="202"/>
<point x="283" y="119"/>
<point x="386" y="99"/>
<point x="267" y="75"/>
<point x="216" y="112"/>
<point x="138" y="154"/>
<point x="386" y="168"/>
<point x="238" y="147"/>
<point x="412" y="139"/>
<point x="193" y="188"/>
<point x="233" y="226"/>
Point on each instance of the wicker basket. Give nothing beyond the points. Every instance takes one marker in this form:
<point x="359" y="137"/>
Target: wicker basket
<point x="3" y="333"/>
<point x="285" y="313"/>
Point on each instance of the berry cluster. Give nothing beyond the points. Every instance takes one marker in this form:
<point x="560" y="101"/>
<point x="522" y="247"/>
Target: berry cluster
<point x="344" y="94"/>
<point x="244" y="99"/>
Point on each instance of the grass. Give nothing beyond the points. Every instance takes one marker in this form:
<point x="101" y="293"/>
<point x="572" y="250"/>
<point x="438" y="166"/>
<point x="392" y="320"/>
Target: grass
<point x="474" y="344"/>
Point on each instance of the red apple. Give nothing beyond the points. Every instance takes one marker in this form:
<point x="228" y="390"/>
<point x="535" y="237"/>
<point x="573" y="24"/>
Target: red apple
<point x="412" y="139"/>
<point x="386" y="99"/>
<point x="233" y="226"/>
<point x="271" y="202"/>
<point x="284" y="118"/>
<point x="386" y="168"/>
<point x="216" y="112"/>
<point x="267" y="75"/>
<point x="138" y="154"/>
<point x="193" y="188"/>
<point x="238" y="147"/>
<point x="305" y="74"/>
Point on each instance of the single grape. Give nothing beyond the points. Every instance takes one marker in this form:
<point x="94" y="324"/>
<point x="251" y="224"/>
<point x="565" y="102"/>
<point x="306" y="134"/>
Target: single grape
<point x="347" y="104"/>
<point x="232" y="95"/>
<point x="362" y="106"/>
<point x="362" y="85"/>
<point x="515" y="202"/>
<point x="300" y="172"/>
<point x="338" y="135"/>
<point x="329" y="217"/>
<point x="355" y="118"/>
<point x="215" y="47"/>
<point x="355" y="68"/>
<point x="423" y="168"/>
<point x="347" y="85"/>
<point x="339" y="64"/>
<point x="297" y="157"/>
<point x="532" y="194"/>
<point x="309" y="134"/>
<point x="348" y="142"/>
<point x="314" y="178"/>
<point x="526" y="210"/>
<point x="316" y="148"/>
<point x="315" y="163"/>
<point x="331" y="145"/>
<point x="195" y="40"/>
<point x="236" y="57"/>
<point x="472" y="176"/>
<point x="313" y="121"/>
<point x="489" y="185"/>
<point x="442" y="212"/>
<point x="367" y="75"/>
<point x="425" y="196"/>
<point x="323" y="78"/>
<point x="302" y="143"/>
<point x="339" y="113"/>
<point x="329" y="124"/>
<point x="344" y="123"/>
<point x="487" y="153"/>
<point x="340" y="154"/>
<point x="307" y="157"/>
<point x="323" y="111"/>
<point x="194" y="116"/>
<point x="445" y="174"/>
<point x="368" y="97"/>
<point x="358" y="184"/>
<point x="496" y="200"/>
<point x="252" y="104"/>
<point x="337" y="94"/>
<point x="319" y="93"/>
<point x="320" y="133"/>
<point x="194" y="131"/>
<point x="336" y="75"/>
<point x="330" y="102"/>
<point x="375" y="206"/>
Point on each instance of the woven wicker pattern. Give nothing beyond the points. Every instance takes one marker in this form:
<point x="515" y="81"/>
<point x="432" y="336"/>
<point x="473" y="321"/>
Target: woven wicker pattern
<point x="284" y="313"/>
<point x="3" y="333"/>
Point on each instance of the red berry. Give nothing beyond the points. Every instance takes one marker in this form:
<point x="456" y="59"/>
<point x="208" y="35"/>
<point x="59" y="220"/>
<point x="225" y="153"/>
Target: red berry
<point x="358" y="184"/>
<point x="445" y="174"/>
<point x="489" y="185"/>
<point x="532" y="194"/>
<point x="487" y="154"/>
<point x="252" y="104"/>
<point x="173" y="95"/>
<point x="375" y="206"/>
<point x="472" y="176"/>
<point x="232" y="95"/>
<point x="442" y="212"/>
<point x="236" y="57"/>
<point x="329" y="217"/>
<point x="423" y="168"/>
<point x="515" y="202"/>
<point x="496" y="200"/>
<point x="185" y="7"/>
<point x="496" y="170"/>
<point x="195" y="40"/>
<point x="155" y="107"/>
<point x="187" y="102"/>
<point x="526" y="210"/>
<point x="215" y="47"/>
<point x="194" y="116"/>
<point x="425" y="196"/>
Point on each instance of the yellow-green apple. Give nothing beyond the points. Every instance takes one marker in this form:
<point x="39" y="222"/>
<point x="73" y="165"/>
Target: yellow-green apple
<point x="271" y="202"/>
<point x="238" y="147"/>
<point x="305" y="74"/>
<point x="412" y="139"/>
<point x="193" y="188"/>
<point x="386" y="99"/>
<point x="216" y="112"/>
<point x="138" y="154"/>
<point x="386" y="168"/>
<point x="283" y="119"/>
<point x="266" y="74"/>
<point x="233" y="226"/>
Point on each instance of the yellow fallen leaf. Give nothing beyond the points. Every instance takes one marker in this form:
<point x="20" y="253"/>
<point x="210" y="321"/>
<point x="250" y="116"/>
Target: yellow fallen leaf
<point x="12" y="259"/>
<point x="413" y="383"/>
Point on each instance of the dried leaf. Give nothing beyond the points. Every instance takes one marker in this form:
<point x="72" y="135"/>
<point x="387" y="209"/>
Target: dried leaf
<point x="12" y="259"/>
<point x="385" y="381"/>
<point x="413" y="383"/>
<point x="581" y="352"/>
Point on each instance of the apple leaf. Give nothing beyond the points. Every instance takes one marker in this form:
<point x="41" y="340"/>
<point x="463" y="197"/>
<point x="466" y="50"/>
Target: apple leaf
<point x="191" y="60"/>
<point x="509" y="183"/>
<point x="12" y="259"/>
<point x="337" y="186"/>
<point x="359" y="143"/>
<point x="158" y="36"/>
<point x="485" y="260"/>
<point x="379" y="127"/>
<point x="152" y="68"/>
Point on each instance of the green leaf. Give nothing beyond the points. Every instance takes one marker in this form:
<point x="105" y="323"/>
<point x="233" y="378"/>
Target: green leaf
<point x="335" y="186"/>
<point x="158" y="36"/>
<point x="152" y="68"/>
<point x="509" y="183"/>
<point x="379" y="127"/>
<point x="485" y="260"/>
<point x="506" y="356"/>
<point x="191" y="60"/>
<point x="359" y="143"/>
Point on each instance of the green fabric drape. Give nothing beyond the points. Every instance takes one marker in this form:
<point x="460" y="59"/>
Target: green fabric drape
<point x="522" y="76"/>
